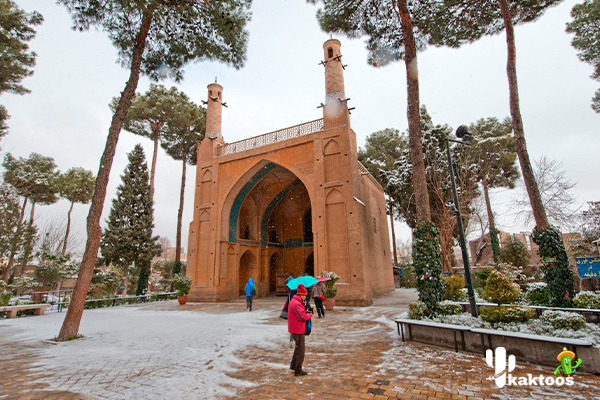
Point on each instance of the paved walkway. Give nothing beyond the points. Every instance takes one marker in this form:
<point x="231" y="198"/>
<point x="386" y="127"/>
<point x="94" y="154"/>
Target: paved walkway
<point x="351" y="354"/>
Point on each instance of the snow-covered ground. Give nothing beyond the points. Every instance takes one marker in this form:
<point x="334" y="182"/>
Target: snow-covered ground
<point x="142" y="352"/>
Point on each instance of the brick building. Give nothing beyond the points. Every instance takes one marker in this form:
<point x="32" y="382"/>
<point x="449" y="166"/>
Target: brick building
<point x="292" y="201"/>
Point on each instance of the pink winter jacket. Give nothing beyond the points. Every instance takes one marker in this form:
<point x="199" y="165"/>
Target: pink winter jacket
<point x="297" y="316"/>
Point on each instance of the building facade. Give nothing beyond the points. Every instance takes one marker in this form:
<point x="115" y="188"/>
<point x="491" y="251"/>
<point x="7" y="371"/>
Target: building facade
<point x="292" y="201"/>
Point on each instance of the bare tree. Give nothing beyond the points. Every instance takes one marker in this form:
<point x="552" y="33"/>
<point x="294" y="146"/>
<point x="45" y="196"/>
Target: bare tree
<point x="555" y="189"/>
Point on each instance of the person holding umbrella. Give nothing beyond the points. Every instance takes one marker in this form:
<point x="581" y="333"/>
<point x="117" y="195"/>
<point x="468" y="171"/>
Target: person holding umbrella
<point x="297" y="317"/>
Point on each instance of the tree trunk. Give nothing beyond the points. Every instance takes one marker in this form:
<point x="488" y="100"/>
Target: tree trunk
<point x="153" y="168"/>
<point x="539" y="213"/>
<point x="15" y="243"/>
<point x="415" y="145"/>
<point x="393" y="234"/>
<point x="70" y="326"/>
<point x="446" y="239"/>
<point x="180" y="212"/>
<point x="64" y="249"/>
<point x="28" y="245"/>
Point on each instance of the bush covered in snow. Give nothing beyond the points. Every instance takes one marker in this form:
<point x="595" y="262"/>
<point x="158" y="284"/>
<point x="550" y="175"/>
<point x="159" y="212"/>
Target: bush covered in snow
<point x="454" y="284"/>
<point x="493" y="315"/>
<point x="587" y="299"/>
<point x="537" y="294"/>
<point x="447" y="307"/>
<point x="563" y="320"/>
<point x="417" y="310"/>
<point x="500" y="289"/>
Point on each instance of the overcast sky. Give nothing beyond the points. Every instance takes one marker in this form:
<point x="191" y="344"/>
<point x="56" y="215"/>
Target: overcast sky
<point x="67" y="116"/>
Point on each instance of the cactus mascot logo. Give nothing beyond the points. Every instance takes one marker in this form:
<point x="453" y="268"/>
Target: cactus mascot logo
<point x="565" y="359"/>
<point x="503" y="366"/>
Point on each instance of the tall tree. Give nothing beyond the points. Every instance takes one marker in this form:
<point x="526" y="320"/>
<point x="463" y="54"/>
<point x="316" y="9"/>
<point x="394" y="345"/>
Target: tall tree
<point x="77" y="186"/>
<point x="382" y="149"/>
<point x="147" y="117"/>
<point x="10" y="223"/>
<point x="184" y="131"/>
<point x="393" y="32"/>
<point x="34" y="179"/>
<point x="157" y="38"/>
<point x="587" y="38"/>
<point x="494" y="150"/>
<point x="438" y="182"/>
<point x="128" y="238"/>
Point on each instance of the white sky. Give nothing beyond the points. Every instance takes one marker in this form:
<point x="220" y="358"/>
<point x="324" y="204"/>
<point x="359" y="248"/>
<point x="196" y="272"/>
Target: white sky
<point x="67" y="117"/>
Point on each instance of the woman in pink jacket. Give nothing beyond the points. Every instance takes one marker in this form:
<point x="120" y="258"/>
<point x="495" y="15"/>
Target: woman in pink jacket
<point x="297" y="317"/>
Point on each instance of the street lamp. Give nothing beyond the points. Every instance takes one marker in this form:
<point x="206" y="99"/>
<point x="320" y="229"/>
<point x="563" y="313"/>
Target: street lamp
<point x="462" y="133"/>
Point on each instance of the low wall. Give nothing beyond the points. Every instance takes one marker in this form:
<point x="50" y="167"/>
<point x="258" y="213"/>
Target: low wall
<point x="533" y="351"/>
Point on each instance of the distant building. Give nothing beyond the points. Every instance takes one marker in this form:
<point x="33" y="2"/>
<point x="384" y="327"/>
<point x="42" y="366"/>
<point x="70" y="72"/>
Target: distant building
<point x="168" y="253"/>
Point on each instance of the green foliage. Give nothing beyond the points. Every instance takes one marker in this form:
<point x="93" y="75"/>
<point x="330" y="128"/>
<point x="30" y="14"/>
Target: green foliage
<point x="35" y="177"/>
<point x="428" y="267"/>
<point x="330" y="291"/>
<point x="142" y="283"/>
<point x="448" y="308"/>
<point x="77" y="185"/>
<point x="495" y="242"/>
<point x="128" y="238"/>
<point x="180" y="32"/>
<point x="587" y="38"/>
<point x="51" y="268"/>
<point x="16" y="29"/>
<point x="498" y="314"/>
<point x="408" y="278"/>
<point x="538" y="295"/>
<point x="585" y="299"/>
<point x="3" y="118"/>
<point x="182" y="284"/>
<point x="563" y="320"/>
<point x="11" y="231"/>
<point x="418" y="310"/>
<point x="454" y="284"/>
<point x="514" y="252"/>
<point x="500" y="290"/>
<point x="5" y="298"/>
<point x="558" y="274"/>
<point x="480" y="277"/>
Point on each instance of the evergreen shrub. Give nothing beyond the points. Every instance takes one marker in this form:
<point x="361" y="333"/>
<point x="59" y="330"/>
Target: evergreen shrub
<point x="182" y="284"/>
<point x="480" y="277"/>
<point x="514" y="252"/>
<point x="500" y="290"/>
<point x="329" y="292"/>
<point x="537" y="294"/>
<point x="563" y="320"/>
<point x="558" y="274"/>
<point x="498" y="314"/>
<point x="447" y="307"/>
<point x="417" y="310"/>
<point x="454" y="284"/>
<point x="428" y="265"/>
<point x="585" y="299"/>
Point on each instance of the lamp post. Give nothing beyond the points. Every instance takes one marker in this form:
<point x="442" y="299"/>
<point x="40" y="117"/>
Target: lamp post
<point x="463" y="133"/>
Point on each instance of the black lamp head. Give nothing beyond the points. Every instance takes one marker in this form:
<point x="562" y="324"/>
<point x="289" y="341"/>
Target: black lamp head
<point x="462" y="132"/>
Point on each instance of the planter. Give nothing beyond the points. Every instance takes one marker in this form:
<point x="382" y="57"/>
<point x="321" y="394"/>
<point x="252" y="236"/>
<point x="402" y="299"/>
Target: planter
<point x="182" y="299"/>
<point x="328" y="304"/>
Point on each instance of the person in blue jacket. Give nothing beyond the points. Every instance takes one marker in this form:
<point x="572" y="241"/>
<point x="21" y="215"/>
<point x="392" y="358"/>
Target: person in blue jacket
<point x="250" y="292"/>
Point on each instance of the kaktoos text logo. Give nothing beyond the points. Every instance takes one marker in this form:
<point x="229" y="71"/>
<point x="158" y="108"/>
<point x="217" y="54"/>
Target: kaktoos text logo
<point x="503" y="366"/>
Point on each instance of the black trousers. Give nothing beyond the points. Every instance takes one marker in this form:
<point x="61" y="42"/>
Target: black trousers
<point x="298" y="357"/>
<point x="249" y="302"/>
<point x="319" y="305"/>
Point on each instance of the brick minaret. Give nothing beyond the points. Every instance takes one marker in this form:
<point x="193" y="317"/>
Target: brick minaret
<point x="335" y="111"/>
<point x="214" y="109"/>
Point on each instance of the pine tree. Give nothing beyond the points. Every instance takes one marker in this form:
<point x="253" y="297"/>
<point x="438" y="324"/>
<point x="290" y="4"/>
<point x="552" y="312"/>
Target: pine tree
<point x="128" y="238"/>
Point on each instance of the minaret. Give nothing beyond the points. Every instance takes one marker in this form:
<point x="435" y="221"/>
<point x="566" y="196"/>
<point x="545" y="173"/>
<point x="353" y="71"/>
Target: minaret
<point x="214" y="110"/>
<point x="335" y="110"/>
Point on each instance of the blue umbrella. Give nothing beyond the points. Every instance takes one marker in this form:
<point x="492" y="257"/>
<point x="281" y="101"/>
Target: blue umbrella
<point x="304" y="280"/>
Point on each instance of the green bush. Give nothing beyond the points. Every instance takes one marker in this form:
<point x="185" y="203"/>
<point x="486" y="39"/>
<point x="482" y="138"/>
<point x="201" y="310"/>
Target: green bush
<point x="408" y="275"/>
<point x="428" y="265"/>
<point x="417" y="310"/>
<point x="480" y="277"/>
<point x="498" y="314"/>
<point x="182" y="284"/>
<point x="587" y="300"/>
<point x="558" y="274"/>
<point x="563" y="320"/>
<point x="514" y="252"/>
<point x="5" y="298"/>
<point x="447" y="307"/>
<point x="330" y="292"/>
<point x="454" y="284"/>
<point x="500" y="290"/>
<point x="537" y="294"/>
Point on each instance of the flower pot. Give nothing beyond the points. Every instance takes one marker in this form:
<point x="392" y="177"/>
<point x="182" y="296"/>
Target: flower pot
<point x="328" y="304"/>
<point x="182" y="300"/>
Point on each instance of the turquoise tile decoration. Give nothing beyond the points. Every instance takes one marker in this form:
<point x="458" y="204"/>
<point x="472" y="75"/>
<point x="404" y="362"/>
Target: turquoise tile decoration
<point x="239" y="200"/>
<point x="293" y="243"/>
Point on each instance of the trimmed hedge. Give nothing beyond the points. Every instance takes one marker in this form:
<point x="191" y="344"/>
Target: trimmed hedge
<point x="500" y="289"/>
<point x="563" y="320"/>
<point x="417" y="310"/>
<point x="494" y="315"/>
<point x="449" y="308"/>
